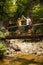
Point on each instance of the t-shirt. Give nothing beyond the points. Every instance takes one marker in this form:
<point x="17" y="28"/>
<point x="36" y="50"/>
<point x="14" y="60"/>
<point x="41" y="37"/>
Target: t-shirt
<point x="19" y="23"/>
<point x="28" y="21"/>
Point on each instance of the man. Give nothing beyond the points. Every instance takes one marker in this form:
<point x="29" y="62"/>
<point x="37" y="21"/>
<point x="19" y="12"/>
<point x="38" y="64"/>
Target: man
<point x="28" y="24"/>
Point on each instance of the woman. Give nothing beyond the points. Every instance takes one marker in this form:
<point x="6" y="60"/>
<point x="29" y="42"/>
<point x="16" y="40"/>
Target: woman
<point x="19" y="25"/>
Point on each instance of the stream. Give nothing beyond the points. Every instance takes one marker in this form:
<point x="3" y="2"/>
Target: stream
<point x="23" y="52"/>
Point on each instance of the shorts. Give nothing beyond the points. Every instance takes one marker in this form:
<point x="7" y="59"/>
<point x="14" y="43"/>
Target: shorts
<point x="20" y="29"/>
<point x="28" y="27"/>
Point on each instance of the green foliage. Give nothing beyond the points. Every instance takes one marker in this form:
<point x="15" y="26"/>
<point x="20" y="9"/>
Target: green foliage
<point x="24" y="7"/>
<point x="2" y="48"/>
<point x="38" y="12"/>
<point x="15" y="8"/>
<point x="7" y="33"/>
<point x="1" y="34"/>
<point x="4" y="33"/>
<point x="38" y="29"/>
<point x="9" y="7"/>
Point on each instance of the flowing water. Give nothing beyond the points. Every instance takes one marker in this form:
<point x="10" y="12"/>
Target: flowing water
<point x="25" y="57"/>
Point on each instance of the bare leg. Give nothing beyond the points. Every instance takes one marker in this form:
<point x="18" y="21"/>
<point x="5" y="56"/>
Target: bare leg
<point x="29" y="31"/>
<point x="19" y="33"/>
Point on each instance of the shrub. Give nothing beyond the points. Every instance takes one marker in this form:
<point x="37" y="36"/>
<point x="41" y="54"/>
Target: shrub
<point x="2" y="34"/>
<point x="2" y="48"/>
<point x="38" y="29"/>
<point x="37" y="13"/>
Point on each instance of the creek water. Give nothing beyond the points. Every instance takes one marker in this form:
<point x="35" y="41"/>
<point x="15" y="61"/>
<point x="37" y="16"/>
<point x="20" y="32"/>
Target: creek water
<point x="27" y="55"/>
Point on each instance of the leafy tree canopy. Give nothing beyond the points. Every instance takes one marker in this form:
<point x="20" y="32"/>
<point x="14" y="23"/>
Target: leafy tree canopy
<point x="8" y="6"/>
<point x="38" y="9"/>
